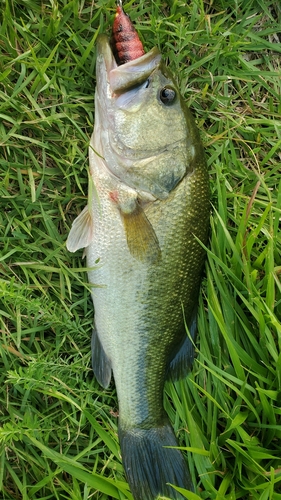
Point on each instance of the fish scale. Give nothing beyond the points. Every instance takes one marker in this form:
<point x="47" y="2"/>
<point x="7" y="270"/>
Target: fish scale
<point x="147" y="212"/>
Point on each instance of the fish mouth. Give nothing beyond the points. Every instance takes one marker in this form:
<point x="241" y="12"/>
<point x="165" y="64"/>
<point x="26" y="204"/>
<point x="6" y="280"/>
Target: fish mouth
<point x="130" y="74"/>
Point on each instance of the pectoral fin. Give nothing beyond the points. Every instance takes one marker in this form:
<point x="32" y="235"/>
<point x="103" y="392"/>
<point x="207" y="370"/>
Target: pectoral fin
<point x="141" y="238"/>
<point x="81" y="232"/>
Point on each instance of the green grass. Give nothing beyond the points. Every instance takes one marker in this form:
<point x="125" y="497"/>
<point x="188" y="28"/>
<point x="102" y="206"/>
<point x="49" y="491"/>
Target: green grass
<point x="58" y="433"/>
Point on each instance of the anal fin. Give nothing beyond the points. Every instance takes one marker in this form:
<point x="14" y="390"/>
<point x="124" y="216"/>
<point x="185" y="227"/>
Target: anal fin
<point x="100" y="363"/>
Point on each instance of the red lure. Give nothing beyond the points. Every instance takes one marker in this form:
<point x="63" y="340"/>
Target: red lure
<point x="125" y="43"/>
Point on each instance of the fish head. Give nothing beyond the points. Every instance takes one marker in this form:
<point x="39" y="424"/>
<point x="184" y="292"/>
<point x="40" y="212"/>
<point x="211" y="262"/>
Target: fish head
<point x="143" y="129"/>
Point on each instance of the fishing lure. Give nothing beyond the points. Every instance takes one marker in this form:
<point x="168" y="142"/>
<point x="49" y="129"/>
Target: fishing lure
<point x="125" y="43"/>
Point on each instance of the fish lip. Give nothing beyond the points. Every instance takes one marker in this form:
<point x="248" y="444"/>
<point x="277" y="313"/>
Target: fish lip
<point x="127" y="75"/>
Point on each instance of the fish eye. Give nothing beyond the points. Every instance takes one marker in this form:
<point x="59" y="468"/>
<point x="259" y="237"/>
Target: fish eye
<point x="167" y="95"/>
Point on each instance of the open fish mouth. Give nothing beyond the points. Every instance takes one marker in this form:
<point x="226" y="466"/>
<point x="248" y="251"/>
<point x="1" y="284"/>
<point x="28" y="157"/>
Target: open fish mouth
<point x="129" y="74"/>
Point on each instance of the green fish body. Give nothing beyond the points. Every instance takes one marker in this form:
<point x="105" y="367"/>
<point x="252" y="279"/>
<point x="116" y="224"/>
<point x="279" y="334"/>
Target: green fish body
<point x="147" y="212"/>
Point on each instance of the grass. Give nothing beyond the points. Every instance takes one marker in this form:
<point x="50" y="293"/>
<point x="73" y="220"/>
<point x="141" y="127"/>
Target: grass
<point x="58" y="428"/>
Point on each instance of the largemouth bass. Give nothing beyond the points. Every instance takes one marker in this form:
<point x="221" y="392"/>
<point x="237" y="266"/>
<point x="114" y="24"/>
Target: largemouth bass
<point x="147" y="212"/>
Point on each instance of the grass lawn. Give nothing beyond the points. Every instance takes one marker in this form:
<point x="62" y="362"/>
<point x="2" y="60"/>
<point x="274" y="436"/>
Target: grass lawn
<point x="58" y="428"/>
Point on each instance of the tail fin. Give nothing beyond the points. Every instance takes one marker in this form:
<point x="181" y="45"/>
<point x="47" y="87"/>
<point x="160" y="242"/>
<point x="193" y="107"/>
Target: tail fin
<point x="149" y="466"/>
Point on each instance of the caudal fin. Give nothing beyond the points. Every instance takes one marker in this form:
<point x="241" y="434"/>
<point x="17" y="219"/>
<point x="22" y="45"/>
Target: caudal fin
<point x="149" y="466"/>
